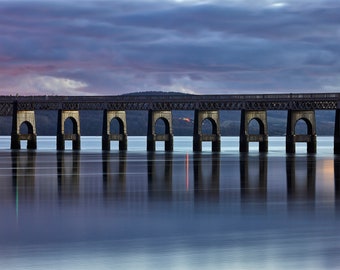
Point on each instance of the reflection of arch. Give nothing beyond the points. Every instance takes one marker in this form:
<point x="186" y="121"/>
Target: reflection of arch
<point x="337" y="178"/>
<point x="68" y="170"/>
<point x="23" y="168"/>
<point x="114" y="174"/>
<point x="337" y="132"/>
<point x="23" y="177"/>
<point x="107" y="134"/>
<point x="206" y="176"/>
<point x="23" y="118"/>
<point x="152" y="136"/>
<point x="291" y="137"/>
<point x="261" y="118"/>
<point x="160" y="175"/>
<point x="294" y="179"/>
<point x="199" y="137"/>
<point x="253" y="175"/>
<point x="74" y="136"/>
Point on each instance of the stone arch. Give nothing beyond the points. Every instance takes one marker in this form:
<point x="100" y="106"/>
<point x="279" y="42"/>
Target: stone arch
<point x="27" y="118"/>
<point x="74" y="122"/>
<point x="166" y="123"/>
<point x="116" y="123"/>
<point x="291" y="137"/>
<point x="199" y="136"/>
<point x="214" y="127"/>
<point x="108" y="135"/>
<point x="152" y="136"/>
<point x="28" y="125"/>
<point x="309" y="125"/>
<point x="74" y="136"/>
<point x="260" y="123"/>
<point x="245" y="137"/>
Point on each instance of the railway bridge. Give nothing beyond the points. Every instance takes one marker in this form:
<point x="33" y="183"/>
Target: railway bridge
<point x="299" y="107"/>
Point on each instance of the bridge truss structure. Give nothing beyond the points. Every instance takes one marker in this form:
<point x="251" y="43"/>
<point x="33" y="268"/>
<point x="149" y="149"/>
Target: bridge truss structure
<point x="326" y="101"/>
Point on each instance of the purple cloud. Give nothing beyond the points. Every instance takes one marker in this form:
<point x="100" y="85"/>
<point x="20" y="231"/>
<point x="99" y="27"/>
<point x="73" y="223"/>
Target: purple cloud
<point x="102" y="47"/>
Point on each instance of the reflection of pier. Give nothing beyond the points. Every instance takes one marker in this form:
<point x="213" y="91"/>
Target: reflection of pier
<point x="160" y="175"/>
<point x="23" y="174"/>
<point x="301" y="174"/>
<point x="213" y="177"/>
<point x="68" y="173"/>
<point x="337" y="178"/>
<point x="114" y="174"/>
<point x="253" y="177"/>
<point x="206" y="176"/>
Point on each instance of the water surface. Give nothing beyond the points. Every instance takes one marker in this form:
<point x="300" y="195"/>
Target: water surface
<point x="182" y="210"/>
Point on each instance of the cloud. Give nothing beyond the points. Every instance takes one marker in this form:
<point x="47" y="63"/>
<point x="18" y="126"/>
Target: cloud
<point x="56" y="86"/>
<point x="113" y="47"/>
<point x="47" y="85"/>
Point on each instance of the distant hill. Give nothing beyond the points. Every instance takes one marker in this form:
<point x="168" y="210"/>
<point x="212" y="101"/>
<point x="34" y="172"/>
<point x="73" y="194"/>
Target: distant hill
<point x="150" y="93"/>
<point x="91" y="122"/>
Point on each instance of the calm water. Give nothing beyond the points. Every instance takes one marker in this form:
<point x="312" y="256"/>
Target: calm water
<point x="180" y="210"/>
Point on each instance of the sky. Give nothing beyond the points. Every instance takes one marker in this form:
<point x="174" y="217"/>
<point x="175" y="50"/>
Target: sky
<point x="86" y="47"/>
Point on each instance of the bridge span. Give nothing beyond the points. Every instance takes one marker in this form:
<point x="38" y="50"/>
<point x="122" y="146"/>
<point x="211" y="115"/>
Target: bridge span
<point x="299" y="107"/>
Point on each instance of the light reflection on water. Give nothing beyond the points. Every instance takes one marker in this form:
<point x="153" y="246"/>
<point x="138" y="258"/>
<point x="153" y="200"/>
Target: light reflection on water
<point x="180" y="210"/>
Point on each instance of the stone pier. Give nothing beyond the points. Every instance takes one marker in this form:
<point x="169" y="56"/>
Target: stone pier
<point x="23" y="118"/>
<point x="74" y="136"/>
<point x="167" y="137"/>
<point x="199" y="137"/>
<point x="108" y="136"/>
<point x="292" y="138"/>
<point x="246" y="137"/>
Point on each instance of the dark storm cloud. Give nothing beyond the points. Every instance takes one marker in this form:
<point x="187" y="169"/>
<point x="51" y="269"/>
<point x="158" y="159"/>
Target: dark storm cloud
<point x="218" y="47"/>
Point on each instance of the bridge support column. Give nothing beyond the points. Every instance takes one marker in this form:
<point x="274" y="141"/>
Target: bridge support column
<point x="309" y="138"/>
<point x="19" y="118"/>
<point x="337" y="132"/>
<point x="199" y="137"/>
<point x="74" y="136"/>
<point x="245" y="137"/>
<point x="107" y="137"/>
<point x="167" y="137"/>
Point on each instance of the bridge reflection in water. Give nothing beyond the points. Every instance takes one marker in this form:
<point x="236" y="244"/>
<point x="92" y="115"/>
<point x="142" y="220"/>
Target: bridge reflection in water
<point x="68" y="170"/>
<point x="168" y="176"/>
<point x="206" y="176"/>
<point x="114" y="175"/>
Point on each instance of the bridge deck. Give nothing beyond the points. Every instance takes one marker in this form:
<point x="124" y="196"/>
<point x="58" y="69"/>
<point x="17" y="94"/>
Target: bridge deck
<point x="325" y="101"/>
